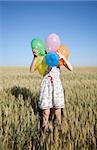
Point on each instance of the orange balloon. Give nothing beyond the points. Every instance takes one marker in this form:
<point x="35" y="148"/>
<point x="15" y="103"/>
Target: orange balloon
<point x="64" y="51"/>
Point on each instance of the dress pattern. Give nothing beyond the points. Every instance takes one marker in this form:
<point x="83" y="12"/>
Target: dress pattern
<point x="51" y="91"/>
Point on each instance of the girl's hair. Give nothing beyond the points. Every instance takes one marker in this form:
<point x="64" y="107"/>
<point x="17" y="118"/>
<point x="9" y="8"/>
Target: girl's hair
<point x="45" y="52"/>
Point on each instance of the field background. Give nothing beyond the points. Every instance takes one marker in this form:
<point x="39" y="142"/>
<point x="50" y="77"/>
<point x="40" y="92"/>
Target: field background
<point x="19" y="115"/>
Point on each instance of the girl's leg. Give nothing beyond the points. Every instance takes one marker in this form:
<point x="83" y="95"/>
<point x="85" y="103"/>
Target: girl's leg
<point x="58" y="115"/>
<point x="45" y="115"/>
<point x="57" y="125"/>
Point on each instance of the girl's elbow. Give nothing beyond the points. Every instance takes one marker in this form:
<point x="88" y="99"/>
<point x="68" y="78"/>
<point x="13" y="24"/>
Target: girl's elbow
<point x="31" y="70"/>
<point x="71" y="68"/>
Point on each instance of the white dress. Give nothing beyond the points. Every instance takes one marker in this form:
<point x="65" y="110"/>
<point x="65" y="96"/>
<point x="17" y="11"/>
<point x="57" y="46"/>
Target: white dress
<point x="51" y="93"/>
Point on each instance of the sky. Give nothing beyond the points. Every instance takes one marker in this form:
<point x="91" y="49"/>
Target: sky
<point x="74" y="22"/>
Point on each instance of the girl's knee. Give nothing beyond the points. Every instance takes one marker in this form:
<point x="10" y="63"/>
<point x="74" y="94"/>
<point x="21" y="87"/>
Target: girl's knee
<point x="45" y="118"/>
<point x="46" y="112"/>
<point x="58" y="112"/>
<point x="58" y="115"/>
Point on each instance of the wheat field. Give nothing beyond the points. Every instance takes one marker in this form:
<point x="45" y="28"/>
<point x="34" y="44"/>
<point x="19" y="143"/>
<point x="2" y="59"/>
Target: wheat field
<point x="20" y="119"/>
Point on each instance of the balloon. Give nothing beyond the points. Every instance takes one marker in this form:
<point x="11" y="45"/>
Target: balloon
<point x="52" y="42"/>
<point x="52" y="59"/>
<point x="42" y="67"/>
<point x="38" y="44"/>
<point x="38" y="61"/>
<point x="64" y="51"/>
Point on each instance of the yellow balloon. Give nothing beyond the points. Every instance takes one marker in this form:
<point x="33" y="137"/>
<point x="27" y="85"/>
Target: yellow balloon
<point x="38" y="61"/>
<point x="42" y="68"/>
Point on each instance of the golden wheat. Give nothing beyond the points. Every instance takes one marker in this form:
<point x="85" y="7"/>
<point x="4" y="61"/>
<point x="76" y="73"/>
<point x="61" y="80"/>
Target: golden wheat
<point x="19" y="115"/>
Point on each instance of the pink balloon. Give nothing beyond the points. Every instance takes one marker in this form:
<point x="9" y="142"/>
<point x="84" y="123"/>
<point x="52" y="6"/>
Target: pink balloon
<point x="52" y="42"/>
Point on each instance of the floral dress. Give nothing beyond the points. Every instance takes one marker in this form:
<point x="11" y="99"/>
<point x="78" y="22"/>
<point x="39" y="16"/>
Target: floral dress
<point x="51" y="93"/>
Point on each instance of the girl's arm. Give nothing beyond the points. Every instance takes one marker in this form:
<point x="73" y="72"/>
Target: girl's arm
<point x="32" y="66"/>
<point x="66" y="63"/>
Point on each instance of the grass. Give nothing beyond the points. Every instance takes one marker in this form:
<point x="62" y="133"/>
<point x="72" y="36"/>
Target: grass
<point x="19" y="114"/>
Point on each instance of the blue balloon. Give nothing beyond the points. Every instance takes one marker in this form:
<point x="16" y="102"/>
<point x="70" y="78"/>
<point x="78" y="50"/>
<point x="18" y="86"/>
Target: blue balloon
<point x="51" y="59"/>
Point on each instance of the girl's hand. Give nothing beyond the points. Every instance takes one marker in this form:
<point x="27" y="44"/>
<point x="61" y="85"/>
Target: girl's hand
<point x="60" y="55"/>
<point x="35" y="52"/>
<point x="66" y="63"/>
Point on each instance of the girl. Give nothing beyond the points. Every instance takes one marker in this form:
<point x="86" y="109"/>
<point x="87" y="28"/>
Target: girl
<point x="51" y="91"/>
